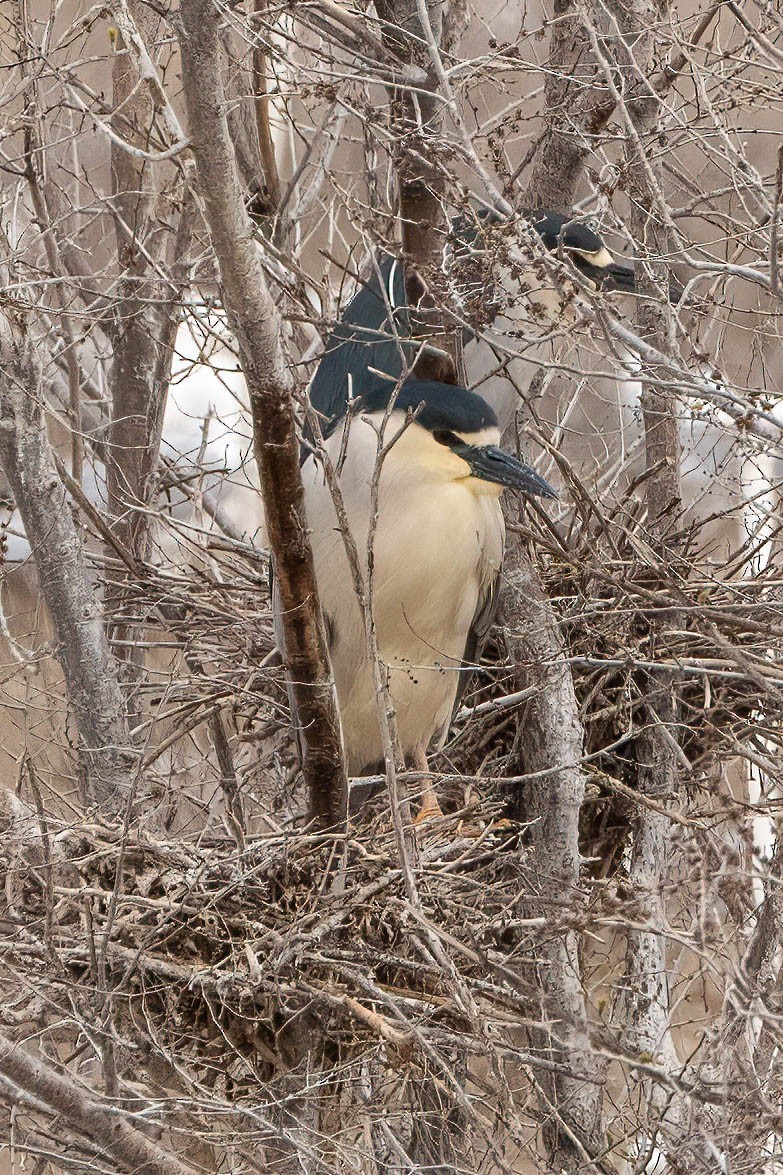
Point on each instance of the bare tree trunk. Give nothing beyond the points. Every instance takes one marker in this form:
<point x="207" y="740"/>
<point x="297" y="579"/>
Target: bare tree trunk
<point x="549" y="747"/>
<point x="646" y="998"/>
<point x="574" y="111"/>
<point x="152" y="232"/>
<point x="414" y="33"/>
<point x="549" y="738"/>
<point x="107" y="764"/>
<point x="256" y="324"/>
<point x="417" y="120"/>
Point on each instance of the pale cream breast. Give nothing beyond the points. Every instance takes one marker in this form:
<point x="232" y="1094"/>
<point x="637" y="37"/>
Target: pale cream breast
<point x="433" y="515"/>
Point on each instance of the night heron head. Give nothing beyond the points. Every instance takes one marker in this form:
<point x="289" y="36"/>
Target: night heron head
<point x="579" y="241"/>
<point x="446" y="433"/>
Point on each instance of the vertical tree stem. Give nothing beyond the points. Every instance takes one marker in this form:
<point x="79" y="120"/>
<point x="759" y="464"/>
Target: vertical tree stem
<point x="255" y="321"/>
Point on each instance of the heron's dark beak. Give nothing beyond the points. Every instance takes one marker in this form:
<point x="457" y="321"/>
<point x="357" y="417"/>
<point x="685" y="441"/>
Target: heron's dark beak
<point x="620" y="277"/>
<point x="616" y="276"/>
<point x="623" y="277"/>
<point x="490" y="463"/>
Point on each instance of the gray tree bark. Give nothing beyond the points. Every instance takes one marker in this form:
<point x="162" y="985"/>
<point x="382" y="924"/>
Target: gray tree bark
<point x="152" y="222"/>
<point x="106" y="761"/>
<point x="413" y="34"/>
<point x="104" y="1127"/>
<point x="577" y="105"/>
<point x="549" y="739"/>
<point x="549" y="746"/>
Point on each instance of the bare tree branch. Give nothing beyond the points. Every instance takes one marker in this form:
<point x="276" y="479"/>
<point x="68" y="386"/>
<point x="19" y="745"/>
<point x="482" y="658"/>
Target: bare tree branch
<point x="578" y="105"/>
<point x="152" y="235"/>
<point x="256" y="323"/>
<point x="412" y="30"/>
<point x="549" y="741"/>
<point x="90" y="670"/>
<point x="646" y="991"/>
<point x="105" y="1127"/>
<point x="580" y="101"/>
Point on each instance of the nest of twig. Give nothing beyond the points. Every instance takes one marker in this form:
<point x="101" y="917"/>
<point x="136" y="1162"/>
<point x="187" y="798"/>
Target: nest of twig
<point x="225" y="959"/>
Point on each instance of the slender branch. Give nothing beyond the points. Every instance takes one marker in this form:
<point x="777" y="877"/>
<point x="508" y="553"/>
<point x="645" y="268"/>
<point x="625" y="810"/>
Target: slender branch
<point x="774" y="228"/>
<point x="122" y="144"/>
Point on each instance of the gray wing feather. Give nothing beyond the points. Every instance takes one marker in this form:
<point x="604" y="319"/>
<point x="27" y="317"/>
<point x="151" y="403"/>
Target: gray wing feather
<point x="481" y="625"/>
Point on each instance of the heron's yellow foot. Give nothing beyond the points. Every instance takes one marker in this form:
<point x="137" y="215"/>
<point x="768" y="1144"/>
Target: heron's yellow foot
<point x="430" y="807"/>
<point x="430" y="810"/>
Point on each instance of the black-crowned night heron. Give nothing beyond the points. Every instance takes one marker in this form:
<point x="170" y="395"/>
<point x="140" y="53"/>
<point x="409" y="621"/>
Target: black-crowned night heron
<point x="437" y="552"/>
<point x="374" y="335"/>
<point x="439" y="534"/>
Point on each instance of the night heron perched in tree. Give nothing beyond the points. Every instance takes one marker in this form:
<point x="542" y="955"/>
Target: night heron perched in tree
<point x="437" y="551"/>
<point x="439" y="534"/>
<point x="510" y="294"/>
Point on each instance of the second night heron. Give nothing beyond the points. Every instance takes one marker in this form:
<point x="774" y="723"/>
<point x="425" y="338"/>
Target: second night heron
<point x="500" y="276"/>
<point x="437" y="550"/>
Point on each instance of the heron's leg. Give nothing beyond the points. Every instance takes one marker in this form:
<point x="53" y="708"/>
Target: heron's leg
<point x="430" y="808"/>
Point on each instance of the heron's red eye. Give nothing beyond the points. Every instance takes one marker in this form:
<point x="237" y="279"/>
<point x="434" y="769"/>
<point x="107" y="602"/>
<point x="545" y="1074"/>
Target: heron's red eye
<point x="444" y="437"/>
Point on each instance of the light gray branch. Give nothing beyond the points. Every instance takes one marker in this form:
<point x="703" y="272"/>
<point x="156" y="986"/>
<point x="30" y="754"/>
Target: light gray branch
<point x="550" y="740"/>
<point x="106" y="1128"/>
<point x="82" y="649"/>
